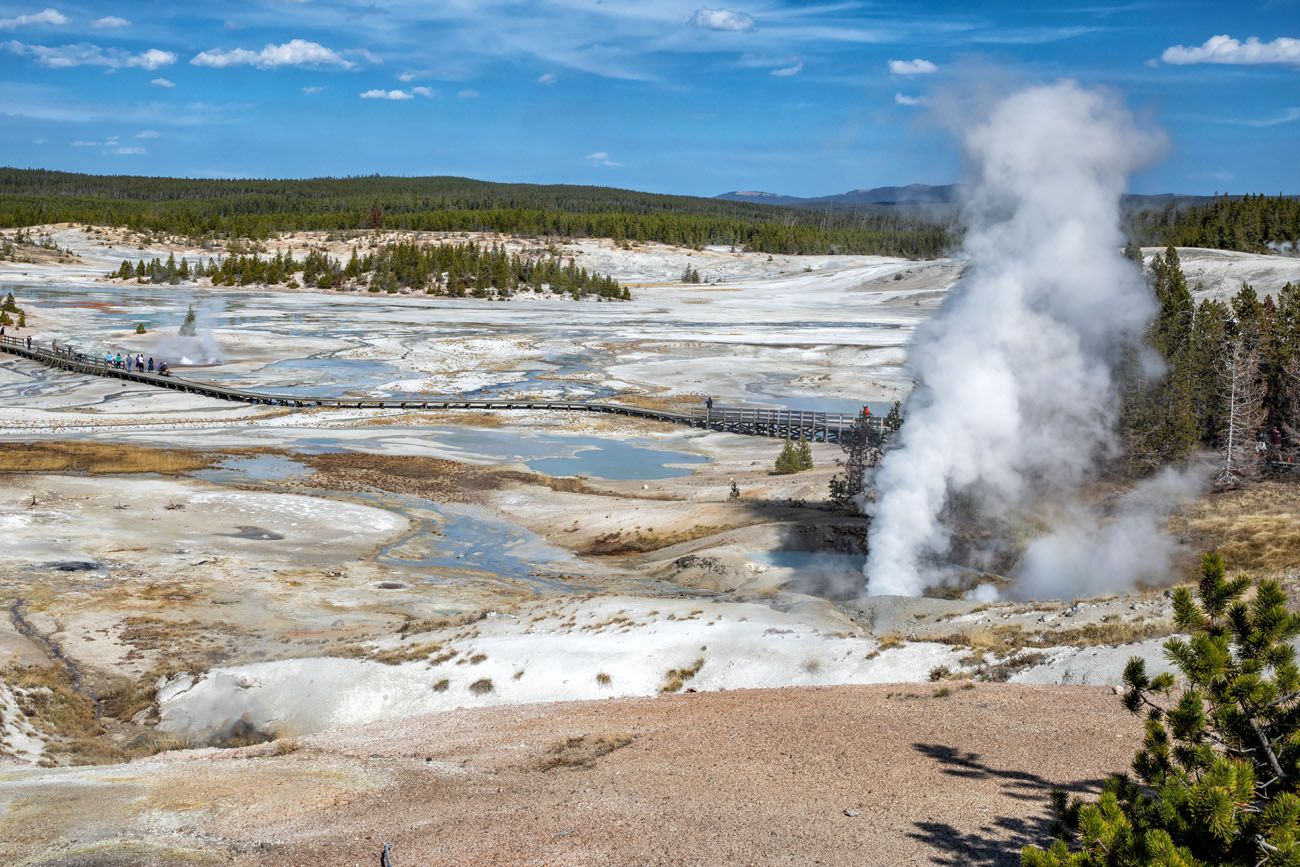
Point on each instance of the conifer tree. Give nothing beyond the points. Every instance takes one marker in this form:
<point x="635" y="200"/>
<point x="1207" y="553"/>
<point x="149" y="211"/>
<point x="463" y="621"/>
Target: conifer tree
<point x="1218" y="773"/>
<point x="787" y="461"/>
<point x="805" y="455"/>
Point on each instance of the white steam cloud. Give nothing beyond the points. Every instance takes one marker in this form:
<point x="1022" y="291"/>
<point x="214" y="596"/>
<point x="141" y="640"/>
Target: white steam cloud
<point x="1015" y="398"/>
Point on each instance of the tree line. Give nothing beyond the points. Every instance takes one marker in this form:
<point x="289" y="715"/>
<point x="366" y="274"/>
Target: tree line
<point x="1231" y="379"/>
<point x="204" y="209"/>
<point x="1252" y="224"/>
<point x="455" y="270"/>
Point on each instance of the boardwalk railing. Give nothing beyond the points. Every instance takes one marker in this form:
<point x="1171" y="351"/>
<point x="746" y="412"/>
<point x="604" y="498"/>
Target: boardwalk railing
<point x="779" y="423"/>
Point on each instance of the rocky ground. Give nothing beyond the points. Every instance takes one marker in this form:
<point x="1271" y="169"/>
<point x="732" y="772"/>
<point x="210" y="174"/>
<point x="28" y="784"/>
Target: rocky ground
<point x="848" y="775"/>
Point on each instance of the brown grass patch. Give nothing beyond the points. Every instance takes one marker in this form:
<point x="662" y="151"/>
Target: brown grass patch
<point x="645" y="541"/>
<point x="1256" y="529"/>
<point x="482" y="686"/>
<point x="96" y="458"/>
<point x="64" y="716"/>
<point x="432" y="478"/>
<point x="580" y="752"/>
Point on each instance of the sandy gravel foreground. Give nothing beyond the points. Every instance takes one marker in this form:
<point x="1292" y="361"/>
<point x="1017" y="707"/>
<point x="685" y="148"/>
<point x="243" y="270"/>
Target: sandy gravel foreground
<point x="845" y="775"/>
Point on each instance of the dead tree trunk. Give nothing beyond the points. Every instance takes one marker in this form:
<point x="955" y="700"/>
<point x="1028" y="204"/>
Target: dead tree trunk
<point x="1241" y="391"/>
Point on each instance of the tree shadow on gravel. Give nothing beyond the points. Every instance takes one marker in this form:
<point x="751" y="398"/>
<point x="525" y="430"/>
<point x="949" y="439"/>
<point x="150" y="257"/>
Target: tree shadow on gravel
<point x="998" y="841"/>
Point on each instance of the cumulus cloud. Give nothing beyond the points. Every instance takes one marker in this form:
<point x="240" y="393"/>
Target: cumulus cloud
<point x="916" y="66"/>
<point x="45" y="16"/>
<point x="110" y="22"/>
<point x="394" y="95"/>
<point x="86" y="54"/>
<point x="426" y="92"/>
<point x="722" y="19"/>
<point x="904" y="99"/>
<point x="787" y="71"/>
<point x="547" y="78"/>
<point x="1224" y="49"/>
<point x="163" y="82"/>
<point x="600" y="158"/>
<point x="295" y="52"/>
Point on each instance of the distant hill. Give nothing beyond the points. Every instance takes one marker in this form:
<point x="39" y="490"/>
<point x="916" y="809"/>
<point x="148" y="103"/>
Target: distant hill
<point x="258" y="208"/>
<point x="912" y="194"/>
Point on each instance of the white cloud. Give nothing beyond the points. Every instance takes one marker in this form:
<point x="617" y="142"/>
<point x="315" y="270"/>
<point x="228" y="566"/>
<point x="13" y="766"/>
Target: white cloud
<point x="600" y="158"/>
<point x="315" y="88"/>
<point x="295" y="52"/>
<point x="112" y="144"/>
<point x="147" y="133"/>
<point x="722" y="19"/>
<point x="1286" y="115"/>
<point x="904" y="99"/>
<point x="110" y="22"/>
<point x="787" y="71"/>
<point x="547" y="78"/>
<point x="426" y="92"/>
<point x="45" y="16"/>
<point x="912" y="67"/>
<point x="468" y="93"/>
<point x="395" y="95"/>
<point x="85" y="54"/>
<point x="1225" y="49"/>
<point x="163" y="82"/>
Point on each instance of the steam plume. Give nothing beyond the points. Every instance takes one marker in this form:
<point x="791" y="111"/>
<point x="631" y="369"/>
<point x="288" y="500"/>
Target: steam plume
<point x="1015" y="398"/>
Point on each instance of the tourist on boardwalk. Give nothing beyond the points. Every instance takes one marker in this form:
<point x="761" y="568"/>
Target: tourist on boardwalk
<point x="29" y="341"/>
<point x="151" y="364"/>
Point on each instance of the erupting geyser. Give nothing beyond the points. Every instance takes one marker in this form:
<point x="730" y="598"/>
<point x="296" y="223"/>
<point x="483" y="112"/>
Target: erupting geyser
<point x="1015" y="398"/>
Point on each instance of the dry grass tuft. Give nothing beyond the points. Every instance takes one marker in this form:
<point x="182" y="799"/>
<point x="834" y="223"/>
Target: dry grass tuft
<point x="604" y="679"/>
<point x="580" y="752"/>
<point x="676" y="678"/>
<point x="482" y="686"/>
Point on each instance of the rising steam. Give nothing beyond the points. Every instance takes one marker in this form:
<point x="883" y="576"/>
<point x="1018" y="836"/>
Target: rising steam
<point x="1015" y="399"/>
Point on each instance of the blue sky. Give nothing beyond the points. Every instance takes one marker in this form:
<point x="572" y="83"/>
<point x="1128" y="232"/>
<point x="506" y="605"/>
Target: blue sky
<point x="800" y="98"/>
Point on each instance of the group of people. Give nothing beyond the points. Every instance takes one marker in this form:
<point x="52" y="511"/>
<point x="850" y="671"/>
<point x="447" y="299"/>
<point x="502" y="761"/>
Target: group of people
<point x="132" y="364"/>
<point x="139" y="364"/>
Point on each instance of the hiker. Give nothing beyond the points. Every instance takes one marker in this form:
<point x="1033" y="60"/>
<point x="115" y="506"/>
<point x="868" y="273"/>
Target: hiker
<point x="151" y="364"/>
<point x="29" y="341"/>
<point x="866" y="412"/>
<point x="117" y="362"/>
<point x="139" y="363"/>
<point x="108" y="359"/>
<point x="1276" y="436"/>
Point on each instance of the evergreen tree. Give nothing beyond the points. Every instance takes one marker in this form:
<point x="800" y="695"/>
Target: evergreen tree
<point x="1219" y="768"/>
<point x="862" y="446"/>
<point x="787" y="461"/>
<point x="190" y="326"/>
<point x="805" y="455"/>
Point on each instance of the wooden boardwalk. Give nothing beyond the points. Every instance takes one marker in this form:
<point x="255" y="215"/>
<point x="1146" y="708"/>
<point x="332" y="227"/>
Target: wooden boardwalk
<point x="779" y="423"/>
